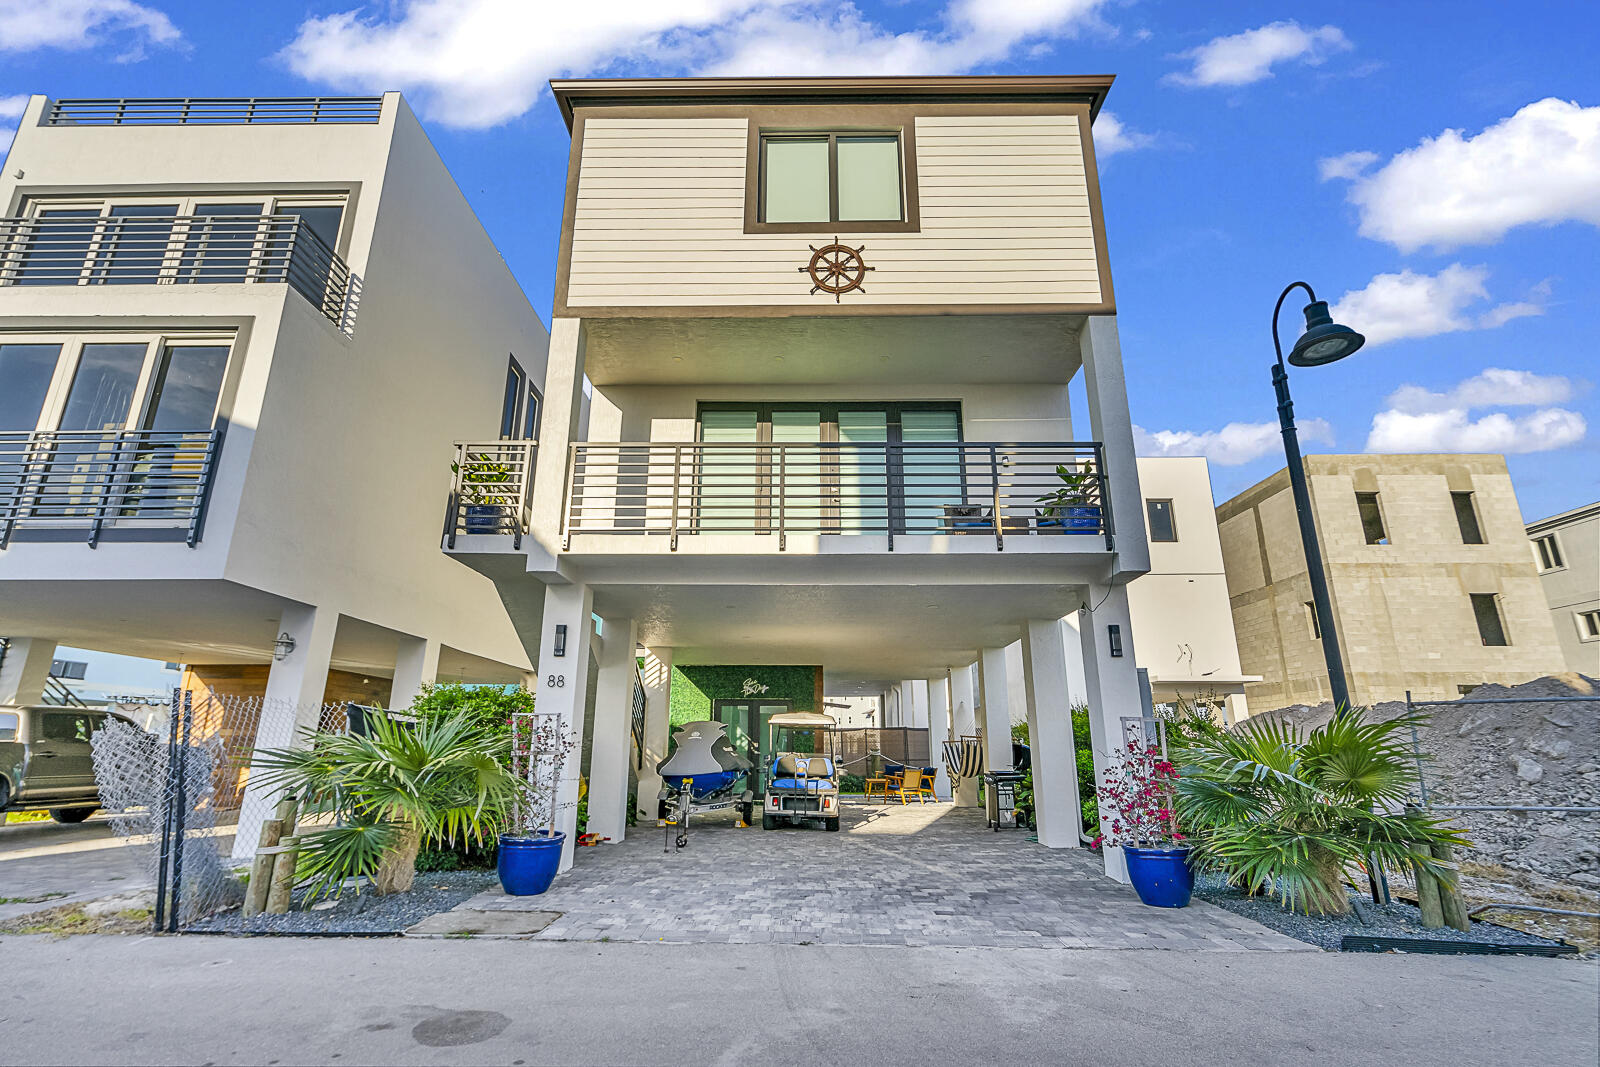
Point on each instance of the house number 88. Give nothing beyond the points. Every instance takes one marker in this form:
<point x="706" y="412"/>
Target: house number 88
<point x="556" y="681"/>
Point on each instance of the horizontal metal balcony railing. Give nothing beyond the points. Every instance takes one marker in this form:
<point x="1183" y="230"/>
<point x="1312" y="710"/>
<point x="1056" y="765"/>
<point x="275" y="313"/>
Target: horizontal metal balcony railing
<point x="491" y="489"/>
<point x="997" y="490"/>
<point x="175" y="250"/>
<point x="95" y="481"/>
<point x="216" y="111"/>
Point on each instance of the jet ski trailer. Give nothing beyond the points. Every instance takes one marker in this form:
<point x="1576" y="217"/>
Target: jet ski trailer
<point x="703" y="774"/>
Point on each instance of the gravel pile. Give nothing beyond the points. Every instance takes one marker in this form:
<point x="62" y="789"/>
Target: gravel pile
<point x="1534" y="754"/>
<point x="1390" y="920"/>
<point x="362" y="914"/>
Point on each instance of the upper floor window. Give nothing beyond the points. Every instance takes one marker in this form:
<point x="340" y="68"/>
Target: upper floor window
<point x="1491" y="627"/>
<point x="1589" y="625"/>
<point x="1371" y="519"/>
<point x="1467" y="518"/>
<point x="831" y="177"/>
<point x="519" y="412"/>
<point x="1547" y="551"/>
<point x="1162" y="526"/>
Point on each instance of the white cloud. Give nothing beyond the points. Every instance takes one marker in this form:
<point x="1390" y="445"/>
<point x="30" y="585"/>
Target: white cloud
<point x="1423" y="420"/>
<point x="1397" y="306"/>
<point x="1455" y="431"/>
<point x="1235" y="443"/>
<point x="1541" y="166"/>
<point x="477" y="63"/>
<point x="1349" y="165"/>
<point x="11" y="109"/>
<point x="1242" y="58"/>
<point x="74" y="25"/>
<point x="1495" y="387"/>
<point x="1111" y="136"/>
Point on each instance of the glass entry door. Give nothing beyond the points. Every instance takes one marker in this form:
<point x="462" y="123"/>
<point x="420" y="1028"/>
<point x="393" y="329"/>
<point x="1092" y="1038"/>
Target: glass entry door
<point x="746" y="721"/>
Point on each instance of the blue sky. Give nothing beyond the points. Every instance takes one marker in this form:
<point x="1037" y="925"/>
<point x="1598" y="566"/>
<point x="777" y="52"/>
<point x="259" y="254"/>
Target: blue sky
<point x="1432" y="169"/>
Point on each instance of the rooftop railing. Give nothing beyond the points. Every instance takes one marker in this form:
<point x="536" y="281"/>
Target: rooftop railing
<point x="175" y="250"/>
<point x="216" y="111"/>
<point x="122" y="484"/>
<point x="987" y="489"/>
<point x="491" y="490"/>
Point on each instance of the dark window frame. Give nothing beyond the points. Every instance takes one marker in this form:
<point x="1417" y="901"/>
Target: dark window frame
<point x="1466" y="509"/>
<point x="1311" y="617"/>
<point x="1172" y="520"/>
<point x="1486" y="609"/>
<point x="755" y="200"/>
<point x="1549" y="553"/>
<point x="521" y="406"/>
<point x="1363" y="498"/>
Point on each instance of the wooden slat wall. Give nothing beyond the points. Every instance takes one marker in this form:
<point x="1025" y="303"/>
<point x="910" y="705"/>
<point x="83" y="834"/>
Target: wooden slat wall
<point x="660" y="219"/>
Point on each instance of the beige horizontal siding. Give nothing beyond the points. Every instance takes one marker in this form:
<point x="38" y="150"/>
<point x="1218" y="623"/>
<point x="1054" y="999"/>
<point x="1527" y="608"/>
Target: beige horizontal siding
<point x="659" y="219"/>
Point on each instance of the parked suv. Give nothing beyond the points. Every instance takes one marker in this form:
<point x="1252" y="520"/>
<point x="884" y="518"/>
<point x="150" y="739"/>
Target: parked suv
<point x="45" y="760"/>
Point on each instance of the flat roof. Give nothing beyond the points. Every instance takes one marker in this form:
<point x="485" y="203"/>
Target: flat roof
<point x="1563" y="518"/>
<point x="571" y="92"/>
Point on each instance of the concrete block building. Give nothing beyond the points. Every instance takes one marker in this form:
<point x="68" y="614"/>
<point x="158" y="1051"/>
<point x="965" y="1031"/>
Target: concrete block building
<point x="1430" y="571"/>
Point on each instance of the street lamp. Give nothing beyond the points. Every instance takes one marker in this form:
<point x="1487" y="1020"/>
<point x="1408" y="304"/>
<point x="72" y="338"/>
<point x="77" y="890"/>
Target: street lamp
<point x="1323" y="342"/>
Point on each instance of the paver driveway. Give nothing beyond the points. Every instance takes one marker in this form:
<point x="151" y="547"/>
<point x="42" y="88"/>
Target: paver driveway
<point x="914" y="875"/>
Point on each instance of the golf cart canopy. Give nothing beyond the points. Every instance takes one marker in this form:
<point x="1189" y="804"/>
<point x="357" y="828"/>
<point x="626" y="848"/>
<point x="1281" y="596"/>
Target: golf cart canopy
<point x="813" y="719"/>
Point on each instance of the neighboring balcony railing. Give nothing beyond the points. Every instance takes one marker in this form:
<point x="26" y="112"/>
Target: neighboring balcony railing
<point x="175" y="250"/>
<point x="491" y="490"/>
<point x="997" y="490"/>
<point x="216" y="111"/>
<point x="127" y="484"/>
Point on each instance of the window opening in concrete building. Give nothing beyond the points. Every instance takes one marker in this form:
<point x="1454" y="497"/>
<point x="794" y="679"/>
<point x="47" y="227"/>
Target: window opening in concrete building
<point x="1313" y="621"/>
<point x="1548" y="551"/>
<point x="1162" y="526"/>
<point x="1486" y="608"/>
<point x="1467" y="519"/>
<point x="1589" y="625"/>
<point x="1371" y="519"/>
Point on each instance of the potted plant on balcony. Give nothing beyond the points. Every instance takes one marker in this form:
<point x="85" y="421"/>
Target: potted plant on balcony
<point x="1072" y="506"/>
<point x="1136" y="803"/>
<point x="530" y="853"/>
<point x="484" y="499"/>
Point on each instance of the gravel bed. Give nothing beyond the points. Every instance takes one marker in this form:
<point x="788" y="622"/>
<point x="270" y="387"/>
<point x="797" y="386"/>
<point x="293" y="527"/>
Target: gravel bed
<point x="1393" y="920"/>
<point x="361" y="914"/>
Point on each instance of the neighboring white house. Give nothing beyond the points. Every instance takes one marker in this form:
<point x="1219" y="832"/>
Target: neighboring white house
<point x="1566" y="553"/>
<point x="830" y="325"/>
<point x="235" y="338"/>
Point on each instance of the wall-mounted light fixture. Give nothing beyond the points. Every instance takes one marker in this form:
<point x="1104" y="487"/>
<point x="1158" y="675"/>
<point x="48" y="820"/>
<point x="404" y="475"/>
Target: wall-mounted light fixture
<point x="1115" y="633"/>
<point x="561" y="639"/>
<point x="282" y="646"/>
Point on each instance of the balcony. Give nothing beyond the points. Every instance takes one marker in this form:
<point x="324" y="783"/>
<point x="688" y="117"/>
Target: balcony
<point x="105" y="485"/>
<point x="216" y="111"/>
<point x="176" y="250"/>
<point x="998" y="491"/>
<point x="491" y="490"/>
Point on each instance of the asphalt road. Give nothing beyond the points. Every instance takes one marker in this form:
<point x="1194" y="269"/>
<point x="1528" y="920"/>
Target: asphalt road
<point x="214" y="1000"/>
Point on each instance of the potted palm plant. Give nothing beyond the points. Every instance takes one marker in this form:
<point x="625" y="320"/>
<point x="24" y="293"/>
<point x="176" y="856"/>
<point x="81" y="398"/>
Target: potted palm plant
<point x="1136" y="803"/>
<point x="436" y="781"/>
<point x="530" y="850"/>
<point x="1071" y="507"/>
<point x="484" y="496"/>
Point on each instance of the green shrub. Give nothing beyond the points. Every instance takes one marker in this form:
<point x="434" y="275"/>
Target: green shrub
<point x="487" y="707"/>
<point x="852" y="783"/>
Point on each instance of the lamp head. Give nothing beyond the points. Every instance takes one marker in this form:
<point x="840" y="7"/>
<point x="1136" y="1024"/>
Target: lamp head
<point x="1324" y="340"/>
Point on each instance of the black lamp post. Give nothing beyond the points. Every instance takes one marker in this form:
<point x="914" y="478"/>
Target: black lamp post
<point x="1323" y="342"/>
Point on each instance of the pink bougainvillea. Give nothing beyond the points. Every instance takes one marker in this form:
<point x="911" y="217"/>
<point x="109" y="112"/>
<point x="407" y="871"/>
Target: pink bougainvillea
<point x="1136" y="799"/>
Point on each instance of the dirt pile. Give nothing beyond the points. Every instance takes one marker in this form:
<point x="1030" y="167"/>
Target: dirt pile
<point x="1539" y="754"/>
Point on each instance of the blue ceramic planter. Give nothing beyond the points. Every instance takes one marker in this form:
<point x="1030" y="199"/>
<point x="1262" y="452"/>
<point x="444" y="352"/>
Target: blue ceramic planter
<point x="484" y="518"/>
<point x="1161" y="876"/>
<point x="528" y="864"/>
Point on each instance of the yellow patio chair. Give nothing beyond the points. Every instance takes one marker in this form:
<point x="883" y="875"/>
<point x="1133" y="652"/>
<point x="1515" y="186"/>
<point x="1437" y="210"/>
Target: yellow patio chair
<point x="910" y="783"/>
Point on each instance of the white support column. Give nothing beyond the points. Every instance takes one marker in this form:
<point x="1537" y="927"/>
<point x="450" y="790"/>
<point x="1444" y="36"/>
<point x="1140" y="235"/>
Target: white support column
<point x="963" y="723"/>
<point x="1113" y="688"/>
<point x="563" y="690"/>
<point x="916" y="691"/>
<point x="657" y="729"/>
<point x="1073" y="647"/>
<point x="996" y="710"/>
<point x="1057" y="811"/>
<point x="939" y="731"/>
<point x="560" y="424"/>
<point x="416" y="663"/>
<point x="293" y="703"/>
<point x="612" y="745"/>
<point x="24" y="670"/>
<point x="1109" y="420"/>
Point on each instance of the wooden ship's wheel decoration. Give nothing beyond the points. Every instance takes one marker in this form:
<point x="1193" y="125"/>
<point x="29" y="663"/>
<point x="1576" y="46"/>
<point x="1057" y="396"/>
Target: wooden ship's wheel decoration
<point x="836" y="269"/>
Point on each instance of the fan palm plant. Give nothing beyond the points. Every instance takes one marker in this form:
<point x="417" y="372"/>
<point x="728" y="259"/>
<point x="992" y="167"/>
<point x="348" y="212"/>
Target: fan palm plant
<point x="1279" y="810"/>
<point x="438" y="780"/>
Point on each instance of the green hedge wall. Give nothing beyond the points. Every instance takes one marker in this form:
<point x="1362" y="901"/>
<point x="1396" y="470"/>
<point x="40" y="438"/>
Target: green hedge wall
<point x="694" y="688"/>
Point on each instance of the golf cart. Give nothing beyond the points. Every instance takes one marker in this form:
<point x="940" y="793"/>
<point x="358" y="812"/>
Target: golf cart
<point x="801" y="783"/>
